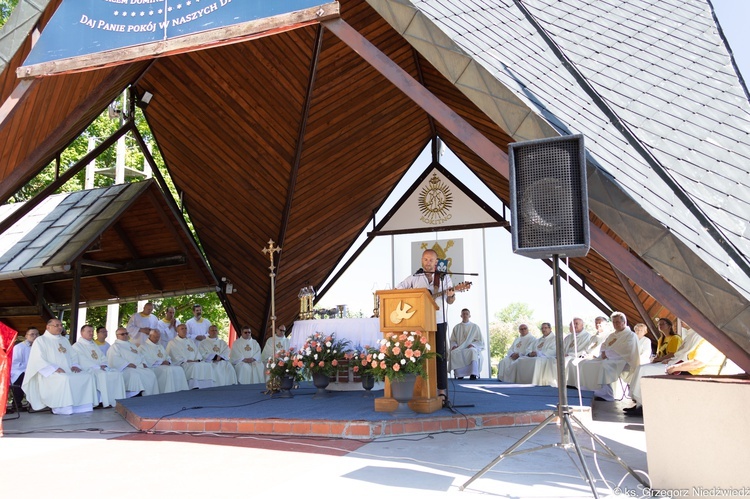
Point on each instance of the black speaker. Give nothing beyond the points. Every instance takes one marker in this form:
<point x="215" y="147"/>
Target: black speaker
<point x="548" y="197"/>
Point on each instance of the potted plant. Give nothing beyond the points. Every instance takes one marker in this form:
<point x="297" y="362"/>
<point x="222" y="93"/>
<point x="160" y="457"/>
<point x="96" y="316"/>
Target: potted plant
<point x="400" y="354"/>
<point x="321" y="358"/>
<point x="360" y="361"/>
<point x="283" y="370"/>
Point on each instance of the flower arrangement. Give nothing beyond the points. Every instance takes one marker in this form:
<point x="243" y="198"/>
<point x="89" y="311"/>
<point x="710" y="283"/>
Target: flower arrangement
<point x="286" y="363"/>
<point x="400" y="354"/>
<point x="360" y="360"/>
<point x="322" y="354"/>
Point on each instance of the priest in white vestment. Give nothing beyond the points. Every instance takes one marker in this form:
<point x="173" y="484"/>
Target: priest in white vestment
<point x="596" y="340"/>
<point x="170" y="378"/>
<point x="53" y="379"/>
<point x="524" y="368"/>
<point x="245" y="356"/>
<point x="466" y="347"/>
<point x="216" y="352"/>
<point x="110" y="383"/>
<point x="124" y="356"/>
<point x="521" y="347"/>
<point x="168" y="327"/>
<point x="18" y="365"/>
<point x="184" y="352"/>
<point x="197" y="326"/>
<point x="141" y="323"/>
<point x="574" y="348"/>
<point x="101" y="339"/>
<point x="619" y="354"/>
<point x="275" y="343"/>
<point x="644" y="343"/>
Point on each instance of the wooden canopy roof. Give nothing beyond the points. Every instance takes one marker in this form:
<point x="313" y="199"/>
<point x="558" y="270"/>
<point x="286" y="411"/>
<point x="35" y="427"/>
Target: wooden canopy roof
<point x="122" y="243"/>
<point x="298" y="137"/>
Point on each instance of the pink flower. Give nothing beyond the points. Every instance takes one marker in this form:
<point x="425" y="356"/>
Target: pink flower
<point x="417" y="353"/>
<point x="334" y="362"/>
<point x="319" y="349"/>
<point x="396" y="350"/>
<point x="383" y="364"/>
<point x="321" y="364"/>
<point x="409" y="352"/>
<point x="375" y="364"/>
<point x="396" y="367"/>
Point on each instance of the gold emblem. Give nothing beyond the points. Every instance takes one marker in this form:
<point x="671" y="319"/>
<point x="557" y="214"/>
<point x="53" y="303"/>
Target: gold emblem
<point x="435" y="201"/>
<point x="247" y="348"/>
<point x="190" y="349"/>
<point x="61" y="349"/>
<point x="216" y="348"/>
<point x="401" y="312"/>
<point x="159" y="354"/>
<point x="133" y="350"/>
<point x="94" y="355"/>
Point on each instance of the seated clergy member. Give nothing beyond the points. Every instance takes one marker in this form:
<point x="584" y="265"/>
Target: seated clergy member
<point x="596" y="340"/>
<point x="101" y="339"/>
<point x="644" y="343"/>
<point x="53" y="379"/>
<point x="574" y="346"/>
<point x="170" y="378"/>
<point x="521" y="347"/>
<point x="184" y="352"/>
<point x="467" y="345"/>
<point x="275" y="343"/>
<point x="124" y="356"/>
<point x="246" y="359"/>
<point x="695" y="356"/>
<point x="618" y="354"/>
<point x="522" y="370"/>
<point x="216" y="351"/>
<point x="109" y="383"/>
<point x="141" y="323"/>
<point x="168" y="327"/>
<point x="21" y="353"/>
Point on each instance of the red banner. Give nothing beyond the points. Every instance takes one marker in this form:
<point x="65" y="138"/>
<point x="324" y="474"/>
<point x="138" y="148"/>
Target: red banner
<point x="7" y="339"/>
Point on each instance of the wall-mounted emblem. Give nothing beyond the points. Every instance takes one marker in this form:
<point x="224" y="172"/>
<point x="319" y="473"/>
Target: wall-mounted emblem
<point x="435" y="202"/>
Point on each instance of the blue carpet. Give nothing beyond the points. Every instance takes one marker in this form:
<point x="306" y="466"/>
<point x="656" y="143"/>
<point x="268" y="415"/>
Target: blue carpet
<point x="249" y="402"/>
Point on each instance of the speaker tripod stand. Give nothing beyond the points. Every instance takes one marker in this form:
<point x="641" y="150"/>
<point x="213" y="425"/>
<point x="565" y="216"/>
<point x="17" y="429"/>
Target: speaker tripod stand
<point x="563" y="413"/>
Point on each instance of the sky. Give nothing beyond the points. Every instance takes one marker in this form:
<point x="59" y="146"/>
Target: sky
<point x="504" y="277"/>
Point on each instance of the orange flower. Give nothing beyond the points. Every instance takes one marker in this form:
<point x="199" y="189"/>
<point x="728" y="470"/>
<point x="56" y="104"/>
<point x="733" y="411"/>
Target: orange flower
<point x="417" y="353"/>
<point x="396" y="367"/>
<point x="382" y="364"/>
<point x="375" y="364"/>
<point x="409" y="352"/>
<point x="396" y="350"/>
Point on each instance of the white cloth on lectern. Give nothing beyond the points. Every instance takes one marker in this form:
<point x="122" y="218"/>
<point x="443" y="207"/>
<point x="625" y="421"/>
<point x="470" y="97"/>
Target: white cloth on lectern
<point x="170" y="378"/>
<point x="138" y="378"/>
<point x="183" y="350"/>
<point x="109" y="383"/>
<point x="64" y="393"/>
<point x="224" y="373"/>
<point x="247" y="372"/>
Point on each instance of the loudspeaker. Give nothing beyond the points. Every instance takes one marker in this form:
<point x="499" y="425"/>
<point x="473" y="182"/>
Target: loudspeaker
<point x="548" y="197"/>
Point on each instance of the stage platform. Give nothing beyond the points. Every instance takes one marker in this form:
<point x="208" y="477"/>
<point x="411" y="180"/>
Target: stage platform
<point x="245" y="409"/>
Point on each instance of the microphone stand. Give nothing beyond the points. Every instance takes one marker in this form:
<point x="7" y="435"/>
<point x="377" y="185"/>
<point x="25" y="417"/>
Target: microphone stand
<point x="448" y="405"/>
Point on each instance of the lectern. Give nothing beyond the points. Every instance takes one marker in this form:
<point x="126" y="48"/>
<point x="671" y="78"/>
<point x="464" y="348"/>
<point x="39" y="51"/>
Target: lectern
<point x="411" y="310"/>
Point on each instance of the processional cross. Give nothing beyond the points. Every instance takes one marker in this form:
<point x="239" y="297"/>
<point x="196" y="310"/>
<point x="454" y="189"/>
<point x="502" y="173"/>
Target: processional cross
<point x="270" y="250"/>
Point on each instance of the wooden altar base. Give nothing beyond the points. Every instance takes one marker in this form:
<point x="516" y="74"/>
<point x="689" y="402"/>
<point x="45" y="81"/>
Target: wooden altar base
<point x="245" y="409"/>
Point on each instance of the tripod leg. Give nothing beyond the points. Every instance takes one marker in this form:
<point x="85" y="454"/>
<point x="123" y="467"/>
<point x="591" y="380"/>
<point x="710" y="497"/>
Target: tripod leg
<point x="589" y="478"/>
<point x="510" y="449"/>
<point x="611" y="453"/>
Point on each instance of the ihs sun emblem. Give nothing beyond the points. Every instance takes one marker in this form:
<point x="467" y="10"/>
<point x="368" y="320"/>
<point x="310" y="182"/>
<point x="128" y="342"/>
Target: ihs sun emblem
<point x="435" y="201"/>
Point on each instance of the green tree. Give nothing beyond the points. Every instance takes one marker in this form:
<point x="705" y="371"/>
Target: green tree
<point x="504" y="329"/>
<point x="6" y="7"/>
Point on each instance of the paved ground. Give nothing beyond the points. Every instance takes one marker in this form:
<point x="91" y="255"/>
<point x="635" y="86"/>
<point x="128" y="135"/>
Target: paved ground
<point x="99" y="455"/>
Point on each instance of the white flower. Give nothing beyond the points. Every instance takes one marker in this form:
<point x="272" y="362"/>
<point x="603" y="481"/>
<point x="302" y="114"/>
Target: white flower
<point x="315" y="356"/>
<point x="403" y="361"/>
<point x="328" y="344"/>
<point x="381" y="356"/>
<point x="411" y="338"/>
<point x="427" y="346"/>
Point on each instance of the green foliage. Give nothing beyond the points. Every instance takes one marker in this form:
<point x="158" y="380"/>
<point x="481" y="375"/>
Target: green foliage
<point x="505" y="328"/>
<point x="6" y="7"/>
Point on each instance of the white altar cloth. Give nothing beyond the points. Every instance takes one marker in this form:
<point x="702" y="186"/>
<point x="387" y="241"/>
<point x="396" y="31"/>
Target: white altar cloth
<point x="360" y="332"/>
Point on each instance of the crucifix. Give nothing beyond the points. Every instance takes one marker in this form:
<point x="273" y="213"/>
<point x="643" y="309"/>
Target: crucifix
<point x="270" y="250"/>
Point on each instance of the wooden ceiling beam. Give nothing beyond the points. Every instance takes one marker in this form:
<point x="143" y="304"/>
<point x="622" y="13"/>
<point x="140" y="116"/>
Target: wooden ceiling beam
<point x="633" y="296"/>
<point x="14" y="101"/>
<point x="313" y="71"/>
<point x="134" y="253"/>
<point x="35" y="294"/>
<point x="134" y="265"/>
